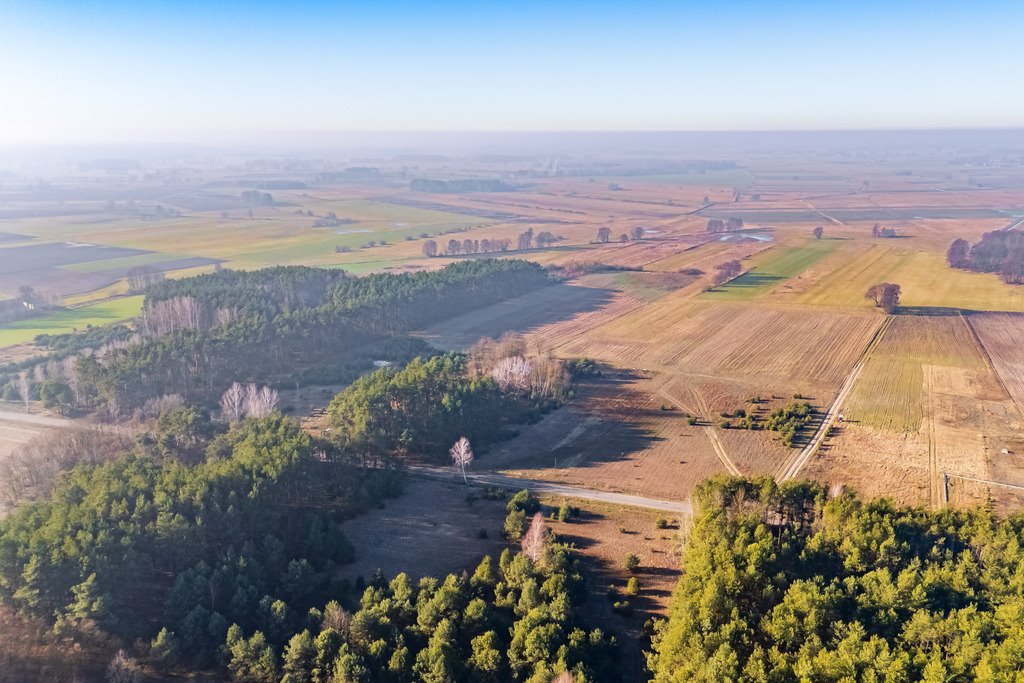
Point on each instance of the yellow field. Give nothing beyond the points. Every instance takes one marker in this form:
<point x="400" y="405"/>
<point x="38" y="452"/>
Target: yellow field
<point x="924" y="278"/>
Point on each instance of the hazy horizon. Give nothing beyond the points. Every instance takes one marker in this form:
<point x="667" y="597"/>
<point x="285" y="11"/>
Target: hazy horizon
<point x="102" y="72"/>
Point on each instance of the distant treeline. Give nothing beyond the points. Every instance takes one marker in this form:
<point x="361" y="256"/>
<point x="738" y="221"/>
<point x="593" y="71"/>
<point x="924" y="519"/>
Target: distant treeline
<point x="999" y="251"/>
<point x="464" y="185"/>
<point x="640" y="167"/>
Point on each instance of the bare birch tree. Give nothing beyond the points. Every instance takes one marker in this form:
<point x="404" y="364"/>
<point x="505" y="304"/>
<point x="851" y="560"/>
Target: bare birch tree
<point x="260" y="402"/>
<point x="232" y="403"/>
<point x="462" y="456"/>
<point x="512" y="372"/>
<point x="535" y="538"/>
<point x="24" y="387"/>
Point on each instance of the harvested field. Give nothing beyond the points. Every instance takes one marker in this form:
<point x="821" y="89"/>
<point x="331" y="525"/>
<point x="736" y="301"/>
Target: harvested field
<point x="547" y="306"/>
<point x="406" y="534"/>
<point x="888" y="393"/>
<point x="1002" y="335"/>
<point x="784" y="344"/>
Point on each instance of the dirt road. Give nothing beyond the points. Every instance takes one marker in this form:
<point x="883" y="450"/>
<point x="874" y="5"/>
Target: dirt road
<point x="536" y="486"/>
<point x="797" y="464"/>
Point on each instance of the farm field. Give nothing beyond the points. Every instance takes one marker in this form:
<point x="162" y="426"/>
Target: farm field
<point x="925" y="404"/>
<point x="795" y="324"/>
<point x="58" y="322"/>
<point x="770" y="269"/>
<point x="1002" y="337"/>
<point x="924" y="278"/>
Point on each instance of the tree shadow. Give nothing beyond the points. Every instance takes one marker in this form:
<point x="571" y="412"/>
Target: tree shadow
<point x="553" y="304"/>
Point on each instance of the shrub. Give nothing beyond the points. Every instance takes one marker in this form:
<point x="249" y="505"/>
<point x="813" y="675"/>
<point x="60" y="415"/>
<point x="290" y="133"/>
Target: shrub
<point x="632" y="562"/>
<point x="632" y="586"/>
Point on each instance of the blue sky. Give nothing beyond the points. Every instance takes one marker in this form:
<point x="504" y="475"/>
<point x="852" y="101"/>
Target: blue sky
<point x="85" y="71"/>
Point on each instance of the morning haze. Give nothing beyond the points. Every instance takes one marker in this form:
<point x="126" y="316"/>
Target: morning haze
<point x="537" y="342"/>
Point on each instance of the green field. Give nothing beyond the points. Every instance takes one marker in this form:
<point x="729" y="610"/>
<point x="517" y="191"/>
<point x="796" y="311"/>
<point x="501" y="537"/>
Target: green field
<point x="776" y="266"/>
<point x="69" y="320"/>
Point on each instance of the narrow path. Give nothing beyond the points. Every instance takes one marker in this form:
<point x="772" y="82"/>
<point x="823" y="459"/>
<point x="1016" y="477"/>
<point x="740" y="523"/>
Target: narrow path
<point x="537" y="486"/>
<point x="720" y="450"/>
<point x="41" y="420"/>
<point x="935" y="483"/>
<point x="794" y="467"/>
<point x="59" y="422"/>
<point x="821" y="213"/>
<point x="710" y="432"/>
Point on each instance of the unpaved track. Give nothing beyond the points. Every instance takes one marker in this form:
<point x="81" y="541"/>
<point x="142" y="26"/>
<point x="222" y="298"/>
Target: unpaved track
<point x="710" y="432"/>
<point x="935" y="482"/>
<point x="720" y="450"/>
<point x="40" y="420"/>
<point x="536" y="486"/>
<point x="60" y="422"/>
<point x="797" y="464"/>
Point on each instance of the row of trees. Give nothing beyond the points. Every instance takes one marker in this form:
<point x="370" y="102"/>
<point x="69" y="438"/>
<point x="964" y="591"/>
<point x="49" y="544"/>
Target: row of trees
<point x="524" y="242"/>
<point x="605" y="234"/>
<point x="999" y="251"/>
<point x="731" y="224"/>
<point x="788" y="581"/>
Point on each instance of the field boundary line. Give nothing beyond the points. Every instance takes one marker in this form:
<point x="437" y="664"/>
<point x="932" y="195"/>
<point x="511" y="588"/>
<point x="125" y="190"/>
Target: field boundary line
<point x="805" y="454"/>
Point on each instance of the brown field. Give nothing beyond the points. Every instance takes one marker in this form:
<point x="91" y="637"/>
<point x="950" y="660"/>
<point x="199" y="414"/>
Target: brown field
<point x="1002" y="334"/>
<point x="888" y="392"/>
<point x="16" y="434"/>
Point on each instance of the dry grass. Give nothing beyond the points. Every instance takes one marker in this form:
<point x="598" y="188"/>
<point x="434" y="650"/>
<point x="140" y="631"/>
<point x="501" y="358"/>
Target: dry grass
<point x="406" y="534"/>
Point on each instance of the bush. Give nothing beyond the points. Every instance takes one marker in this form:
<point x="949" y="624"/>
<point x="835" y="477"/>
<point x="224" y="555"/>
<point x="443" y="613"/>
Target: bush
<point x="632" y="563"/>
<point x="623" y="608"/>
<point x="524" y="501"/>
<point x="632" y="586"/>
<point x="692" y="421"/>
<point x="662" y="523"/>
<point x="564" y="512"/>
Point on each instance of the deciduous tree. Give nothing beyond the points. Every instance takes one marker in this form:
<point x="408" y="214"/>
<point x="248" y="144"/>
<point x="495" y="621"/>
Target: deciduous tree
<point x="462" y="456"/>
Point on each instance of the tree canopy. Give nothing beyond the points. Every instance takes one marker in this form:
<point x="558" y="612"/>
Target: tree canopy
<point x="782" y="582"/>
